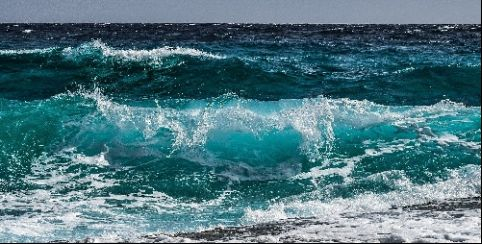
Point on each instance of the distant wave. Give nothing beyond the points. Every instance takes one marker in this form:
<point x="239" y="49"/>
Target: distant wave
<point x="27" y="51"/>
<point x="183" y="72"/>
<point x="132" y="55"/>
<point x="127" y="55"/>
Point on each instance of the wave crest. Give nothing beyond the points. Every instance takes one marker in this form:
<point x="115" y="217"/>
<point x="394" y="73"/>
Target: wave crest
<point x="314" y="125"/>
<point x="90" y="50"/>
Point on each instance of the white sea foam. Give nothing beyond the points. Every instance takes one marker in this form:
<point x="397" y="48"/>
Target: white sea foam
<point x="464" y="182"/>
<point x="350" y="163"/>
<point x="348" y="219"/>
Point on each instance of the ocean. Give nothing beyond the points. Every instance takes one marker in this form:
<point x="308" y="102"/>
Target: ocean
<point x="121" y="131"/>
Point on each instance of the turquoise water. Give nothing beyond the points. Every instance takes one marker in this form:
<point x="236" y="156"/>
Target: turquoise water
<point x="125" y="130"/>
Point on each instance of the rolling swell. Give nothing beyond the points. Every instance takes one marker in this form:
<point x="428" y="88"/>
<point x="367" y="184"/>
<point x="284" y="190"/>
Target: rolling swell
<point x="241" y="139"/>
<point x="383" y="75"/>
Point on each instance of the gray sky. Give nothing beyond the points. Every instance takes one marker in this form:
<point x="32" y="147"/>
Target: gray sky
<point x="243" y="11"/>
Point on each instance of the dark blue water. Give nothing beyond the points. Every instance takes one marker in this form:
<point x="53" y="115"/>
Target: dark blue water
<point x="130" y="129"/>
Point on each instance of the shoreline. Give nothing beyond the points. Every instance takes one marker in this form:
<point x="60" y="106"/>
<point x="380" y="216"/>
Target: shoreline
<point x="314" y="230"/>
<point x="278" y="227"/>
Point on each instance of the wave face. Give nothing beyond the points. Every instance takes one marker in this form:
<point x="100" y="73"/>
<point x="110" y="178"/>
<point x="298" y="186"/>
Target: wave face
<point x="124" y="130"/>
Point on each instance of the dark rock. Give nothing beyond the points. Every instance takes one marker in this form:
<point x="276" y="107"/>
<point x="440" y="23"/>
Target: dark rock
<point x="448" y="205"/>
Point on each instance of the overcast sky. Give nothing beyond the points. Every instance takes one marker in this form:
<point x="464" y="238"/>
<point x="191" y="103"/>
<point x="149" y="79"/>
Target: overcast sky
<point x="243" y="11"/>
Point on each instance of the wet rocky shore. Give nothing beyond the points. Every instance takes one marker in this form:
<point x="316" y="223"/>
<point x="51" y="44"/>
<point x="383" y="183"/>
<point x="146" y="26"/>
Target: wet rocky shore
<point x="448" y="222"/>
